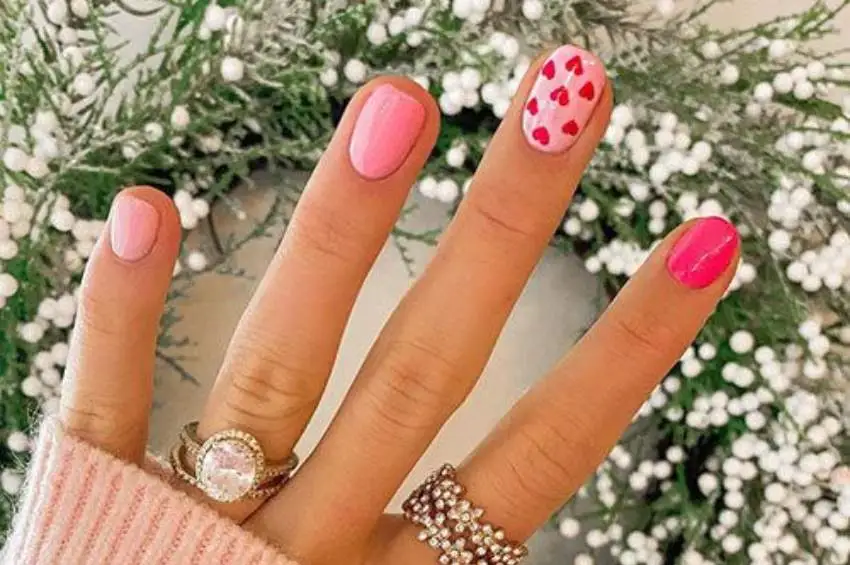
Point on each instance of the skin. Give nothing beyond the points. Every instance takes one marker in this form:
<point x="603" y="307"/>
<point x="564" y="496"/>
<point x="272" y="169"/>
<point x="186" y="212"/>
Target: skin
<point x="422" y="366"/>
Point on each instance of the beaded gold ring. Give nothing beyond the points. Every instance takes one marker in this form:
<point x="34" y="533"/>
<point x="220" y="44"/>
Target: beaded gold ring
<point x="452" y="525"/>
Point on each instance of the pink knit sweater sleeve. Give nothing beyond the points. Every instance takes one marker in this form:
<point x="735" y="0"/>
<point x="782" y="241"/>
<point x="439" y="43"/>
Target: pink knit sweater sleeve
<point x="82" y="506"/>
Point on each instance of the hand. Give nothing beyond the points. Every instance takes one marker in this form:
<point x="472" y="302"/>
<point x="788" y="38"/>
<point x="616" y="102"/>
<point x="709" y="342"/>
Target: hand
<point x="434" y="346"/>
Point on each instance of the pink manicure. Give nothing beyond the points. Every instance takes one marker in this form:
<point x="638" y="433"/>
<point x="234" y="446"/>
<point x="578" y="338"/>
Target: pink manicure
<point x="385" y="132"/>
<point x="562" y="100"/>
<point x="134" y="226"/>
<point x="703" y="253"/>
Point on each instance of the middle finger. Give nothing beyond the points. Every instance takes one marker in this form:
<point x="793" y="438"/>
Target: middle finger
<point x="439" y="339"/>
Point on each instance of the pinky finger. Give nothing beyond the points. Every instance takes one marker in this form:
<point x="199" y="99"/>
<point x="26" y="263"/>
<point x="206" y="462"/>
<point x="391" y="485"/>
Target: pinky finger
<point x="107" y="390"/>
<point x="558" y="434"/>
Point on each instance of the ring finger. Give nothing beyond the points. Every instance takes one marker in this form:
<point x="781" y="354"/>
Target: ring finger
<point x="282" y="352"/>
<point x="555" y="436"/>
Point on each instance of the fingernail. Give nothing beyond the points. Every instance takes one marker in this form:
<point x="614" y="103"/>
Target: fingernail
<point x="134" y="225"/>
<point x="386" y="130"/>
<point x="562" y="100"/>
<point x="703" y="253"/>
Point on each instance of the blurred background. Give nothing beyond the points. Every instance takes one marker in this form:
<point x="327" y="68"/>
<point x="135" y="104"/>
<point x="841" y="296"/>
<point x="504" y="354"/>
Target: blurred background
<point x="561" y="300"/>
<point x="741" y="454"/>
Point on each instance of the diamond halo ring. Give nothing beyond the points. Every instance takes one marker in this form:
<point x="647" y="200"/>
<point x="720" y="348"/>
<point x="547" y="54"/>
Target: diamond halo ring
<point x="228" y="466"/>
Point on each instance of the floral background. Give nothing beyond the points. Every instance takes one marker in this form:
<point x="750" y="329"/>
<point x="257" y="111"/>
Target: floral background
<point x="561" y="300"/>
<point x="750" y="460"/>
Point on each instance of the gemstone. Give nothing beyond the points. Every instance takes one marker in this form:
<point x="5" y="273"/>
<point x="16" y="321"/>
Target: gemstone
<point x="228" y="470"/>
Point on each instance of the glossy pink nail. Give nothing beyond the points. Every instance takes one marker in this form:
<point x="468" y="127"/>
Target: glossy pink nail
<point x="386" y="130"/>
<point x="562" y="100"/>
<point x="134" y="225"/>
<point x="703" y="253"/>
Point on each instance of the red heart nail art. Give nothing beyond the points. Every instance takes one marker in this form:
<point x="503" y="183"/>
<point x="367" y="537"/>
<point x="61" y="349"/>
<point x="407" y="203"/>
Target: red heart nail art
<point x="575" y="65"/>
<point x="587" y="91"/>
<point x="561" y="94"/>
<point x="564" y="97"/>
<point x="541" y="134"/>
<point x="561" y="102"/>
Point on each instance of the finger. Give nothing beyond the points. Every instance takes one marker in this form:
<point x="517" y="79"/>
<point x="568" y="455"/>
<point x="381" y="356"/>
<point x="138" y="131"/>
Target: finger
<point x="285" y="345"/>
<point x="556" y="436"/>
<point x="107" y="389"/>
<point x="439" y="339"/>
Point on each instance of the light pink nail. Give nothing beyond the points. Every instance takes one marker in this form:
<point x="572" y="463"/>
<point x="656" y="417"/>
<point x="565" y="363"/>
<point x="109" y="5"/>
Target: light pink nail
<point x="386" y="130"/>
<point x="703" y="253"/>
<point x="562" y="100"/>
<point x="134" y="225"/>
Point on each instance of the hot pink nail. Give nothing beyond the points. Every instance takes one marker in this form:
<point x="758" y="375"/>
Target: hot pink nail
<point x="134" y="225"/>
<point x="385" y="132"/>
<point x="562" y="100"/>
<point x="703" y="253"/>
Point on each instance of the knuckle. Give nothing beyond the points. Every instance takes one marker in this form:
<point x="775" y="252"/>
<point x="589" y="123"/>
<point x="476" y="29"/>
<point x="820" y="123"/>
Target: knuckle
<point x="506" y="222"/>
<point x="413" y="390"/>
<point x="81" y="421"/>
<point x="509" y="488"/>
<point x="96" y="423"/>
<point x="639" y="336"/>
<point x="549" y="461"/>
<point x="270" y="387"/>
<point x="104" y="318"/>
<point x="326" y="234"/>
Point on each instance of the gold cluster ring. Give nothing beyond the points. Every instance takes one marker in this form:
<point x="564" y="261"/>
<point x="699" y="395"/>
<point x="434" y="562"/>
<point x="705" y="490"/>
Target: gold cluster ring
<point x="453" y="525"/>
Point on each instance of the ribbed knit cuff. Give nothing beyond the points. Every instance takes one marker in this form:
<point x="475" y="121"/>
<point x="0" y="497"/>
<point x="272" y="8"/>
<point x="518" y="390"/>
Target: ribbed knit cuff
<point x="85" y="507"/>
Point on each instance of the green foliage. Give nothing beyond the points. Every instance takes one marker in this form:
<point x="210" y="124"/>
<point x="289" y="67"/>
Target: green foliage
<point x="282" y="113"/>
